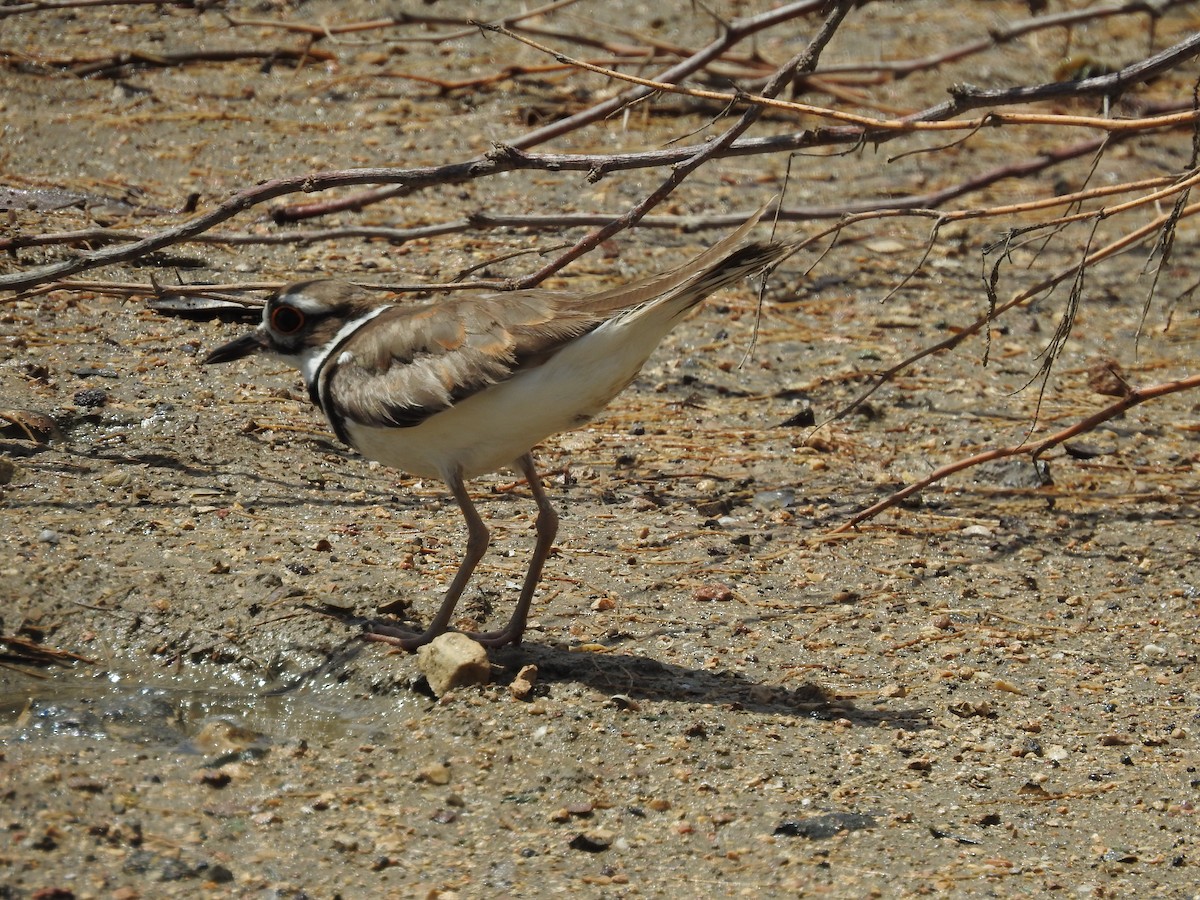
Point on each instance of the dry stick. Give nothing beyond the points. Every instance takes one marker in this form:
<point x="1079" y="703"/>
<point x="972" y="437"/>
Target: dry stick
<point x="402" y="18"/>
<point x="409" y="179"/>
<point x="443" y="84"/>
<point x="246" y="199"/>
<point x="802" y="62"/>
<point x="969" y="96"/>
<point x="923" y="204"/>
<point x="901" y="68"/>
<point x="32" y="652"/>
<point x="935" y="118"/>
<point x="864" y="129"/>
<point x="898" y="207"/>
<point x="849" y="214"/>
<point x="112" y="63"/>
<point x="44" y="5"/>
<point x="138" y="288"/>
<point x="356" y="232"/>
<point x="920" y="204"/>
<point x="1029" y="293"/>
<point x="499" y="160"/>
<point x="735" y="32"/>
<point x="1005" y="35"/>
<point x="1135" y="396"/>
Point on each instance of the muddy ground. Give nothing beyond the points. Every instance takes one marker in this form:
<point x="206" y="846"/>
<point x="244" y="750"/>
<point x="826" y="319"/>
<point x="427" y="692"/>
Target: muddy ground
<point x="990" y="691"/>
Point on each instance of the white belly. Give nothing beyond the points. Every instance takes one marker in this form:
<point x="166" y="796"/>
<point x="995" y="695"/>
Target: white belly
<point x="495" y="427"/>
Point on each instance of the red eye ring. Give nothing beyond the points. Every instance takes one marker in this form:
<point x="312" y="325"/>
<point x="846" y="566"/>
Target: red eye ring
<point x="287" y="319"/>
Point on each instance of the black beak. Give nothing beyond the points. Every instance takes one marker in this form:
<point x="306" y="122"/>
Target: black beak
<point x="253" y="342"/>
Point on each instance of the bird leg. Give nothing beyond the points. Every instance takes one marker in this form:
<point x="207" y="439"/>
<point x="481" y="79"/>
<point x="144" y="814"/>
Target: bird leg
<point x="477" y="544"/>
<point x="547" y="528"/>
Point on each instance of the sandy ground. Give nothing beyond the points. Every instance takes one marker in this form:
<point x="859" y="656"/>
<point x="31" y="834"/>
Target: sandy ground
<point x="991" y="691"/>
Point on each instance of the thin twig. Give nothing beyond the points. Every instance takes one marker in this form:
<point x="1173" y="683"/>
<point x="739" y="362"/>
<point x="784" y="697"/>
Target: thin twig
<point x="994" y="312"/>
<point x="802" y="62"/>
<point x="1033" y="450"/>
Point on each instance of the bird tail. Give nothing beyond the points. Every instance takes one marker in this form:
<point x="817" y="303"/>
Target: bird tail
<point x="724" y="263"/>
<point x="745" y="261"/>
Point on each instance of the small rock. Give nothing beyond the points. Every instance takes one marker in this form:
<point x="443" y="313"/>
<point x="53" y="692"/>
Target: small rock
<point x="90" y="398"/>
<point x="623" y="701"/>
<point x="762" y="693"/>
<point x="85" y="784"/>
<point x="116" y="478"/>
<point x="1014" y="473"/>
<point x="7" y="470"/>
<point x="1120" y="856"/>
<point x="1082" y="450"/>
<point x="211" y="778"/>
<point x="805" y="417"/>
<point x="438" y="773"/>
<point x="778" y="499"/>
<point x="323" y="801"/>
<point x="453" y="660"/>
<point x="595" y="841"/>
<point x="965" y="709"/>
<point x="714" y="591"/>
<point x="817" y="828"/>
<point x="175" y="869"/>
<point x="522" y="685"/>
<point x="1153" y="653"/>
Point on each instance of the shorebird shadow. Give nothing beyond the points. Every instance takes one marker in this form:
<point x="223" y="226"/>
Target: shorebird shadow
<point x="629" y="679"/>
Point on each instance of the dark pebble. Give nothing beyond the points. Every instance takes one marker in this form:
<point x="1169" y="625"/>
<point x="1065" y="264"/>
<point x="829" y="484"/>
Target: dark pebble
<point x="91" y="398"/>
<point x="817" y="828"/>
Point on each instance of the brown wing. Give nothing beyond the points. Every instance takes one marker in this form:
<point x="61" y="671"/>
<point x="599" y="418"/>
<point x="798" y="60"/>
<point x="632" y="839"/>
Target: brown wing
<point x="417" y="361"/>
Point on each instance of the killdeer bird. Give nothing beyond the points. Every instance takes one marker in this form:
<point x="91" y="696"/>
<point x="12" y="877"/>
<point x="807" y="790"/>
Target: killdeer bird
<point x="463" y="386"/>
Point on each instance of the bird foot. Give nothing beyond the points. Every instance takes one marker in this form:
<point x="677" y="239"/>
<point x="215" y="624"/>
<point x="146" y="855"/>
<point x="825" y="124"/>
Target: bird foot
<point x="411" y="640"/>
<point x="398" y="637"/>
<point x="507" y="635"/>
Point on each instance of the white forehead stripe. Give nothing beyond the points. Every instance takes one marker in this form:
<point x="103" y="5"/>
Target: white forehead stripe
<point x="306" y="304"/>
<point x="313" y="358"/>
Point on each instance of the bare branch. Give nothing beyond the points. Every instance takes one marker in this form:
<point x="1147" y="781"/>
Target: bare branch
<point x="803" y="62"/>
<point x="1033" y="450"/>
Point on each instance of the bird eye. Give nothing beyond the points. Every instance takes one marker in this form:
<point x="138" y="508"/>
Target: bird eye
<point x="287" y="319"/>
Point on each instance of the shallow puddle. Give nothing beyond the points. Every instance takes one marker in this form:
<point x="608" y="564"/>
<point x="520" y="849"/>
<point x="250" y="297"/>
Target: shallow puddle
<point x="176" y="711"/>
